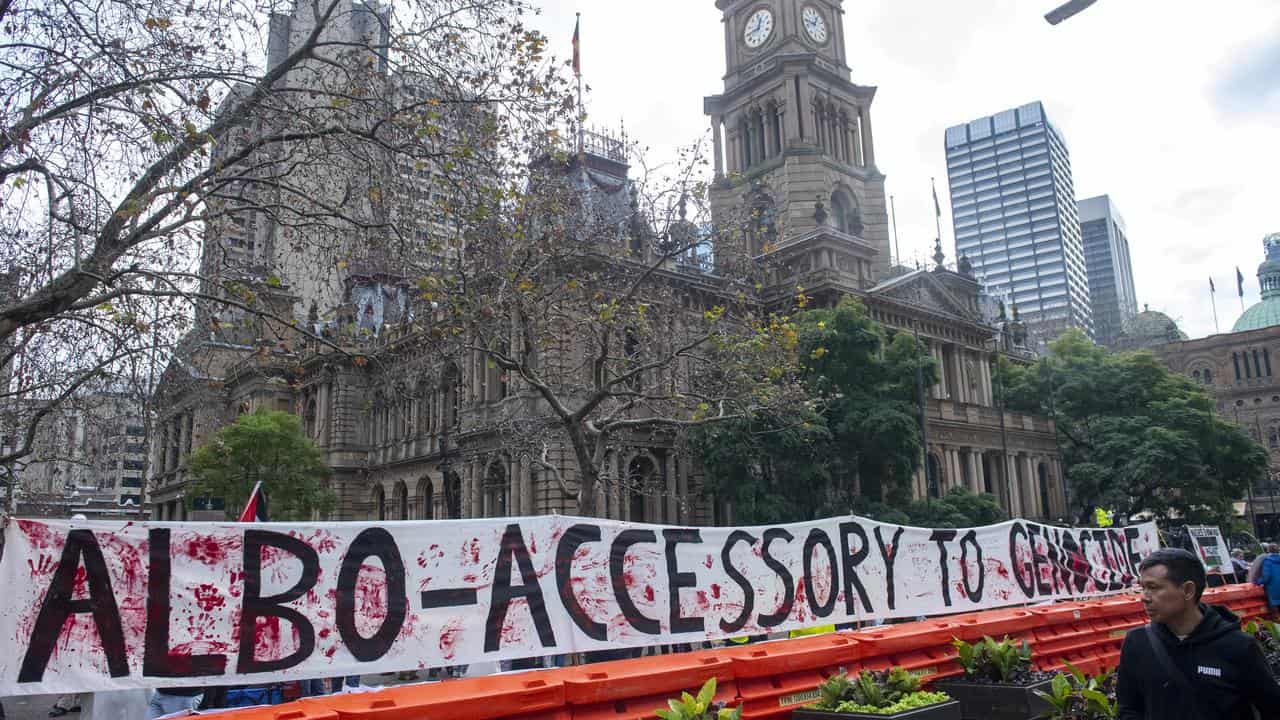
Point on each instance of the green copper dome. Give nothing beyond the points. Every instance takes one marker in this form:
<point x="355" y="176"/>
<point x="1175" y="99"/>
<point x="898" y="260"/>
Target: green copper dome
<point x="1262" y="315"/>
<point x="1266" y="313"/>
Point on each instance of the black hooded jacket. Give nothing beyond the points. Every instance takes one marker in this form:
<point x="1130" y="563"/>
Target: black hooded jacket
<point x="1224" y="665"/>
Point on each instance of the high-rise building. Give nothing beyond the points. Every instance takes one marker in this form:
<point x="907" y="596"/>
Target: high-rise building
<point x="1014" y="208"/>
<point x="1106" y="258"/>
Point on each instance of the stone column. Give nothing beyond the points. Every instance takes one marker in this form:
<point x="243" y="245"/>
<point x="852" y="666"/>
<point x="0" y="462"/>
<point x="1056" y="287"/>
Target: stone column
<point x="717" y="121"/>
<point x="671" y="505"/>
<point x="614" y="494"/>
<point x="988" y="395"/>
<point x="940" y="389"/>
<point x="682" y="492"/>
<point x="868" y="146"/>
<point x="1009" y="484"/>
<point x="810" y="129"/>
<point x="468" y="504"/>
<point x="855" y="141"/>
<point x="961" y="393"/>
<point x="975" y="470"/>
<point x="1033" y="487"/>
<point x="526" y="487"/>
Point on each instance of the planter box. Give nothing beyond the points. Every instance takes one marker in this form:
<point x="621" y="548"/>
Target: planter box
<point x="949" y="710"/>
<point x="991" y="701"/>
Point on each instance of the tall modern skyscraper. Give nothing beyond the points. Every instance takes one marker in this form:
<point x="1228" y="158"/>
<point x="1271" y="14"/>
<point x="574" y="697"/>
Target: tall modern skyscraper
<point x="1106" y="258"/>
<point x="1014" y="208"/>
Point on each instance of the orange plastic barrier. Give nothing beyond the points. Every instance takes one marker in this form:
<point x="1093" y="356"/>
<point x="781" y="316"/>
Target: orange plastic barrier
<point x="992" y="623"/>
<point x="776" y="677"/>
<point x="482" y="698"/>
<point x="289" y="711"/>
<point x="641" y="708"/>
<point x="621" y="679"/>
<point x="891" y="639"/>
<point x="768" y="680"/>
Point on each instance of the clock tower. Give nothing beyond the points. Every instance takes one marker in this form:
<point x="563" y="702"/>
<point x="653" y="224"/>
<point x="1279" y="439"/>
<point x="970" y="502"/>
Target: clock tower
<point x="794" y="157"/>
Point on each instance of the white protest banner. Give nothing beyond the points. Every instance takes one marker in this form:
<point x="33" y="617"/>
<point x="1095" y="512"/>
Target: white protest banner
<point x="107" y="605"/>
<point x="1212" y="549"/>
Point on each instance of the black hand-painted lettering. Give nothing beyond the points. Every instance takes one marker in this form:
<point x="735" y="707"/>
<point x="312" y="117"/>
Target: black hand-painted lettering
<point x="1038" y="559"/>
<point x="819" y="538"/>
<point x="504" y="592"/>
<point x="1021" y="568"/>
<point x="788" y="582"/>
<point x="852" y="581"/>
<point x="158" y="660"/>
<point x="748" y="593"/>
<point x="942" y="537"/>
<point x="1134" y="556"/>
<point x="677" y="580"/>
<point x="970" y="540"/>
<point x="617" y="575"/>
<point x="371" y="542"/>
<point x="573" y="538"/>
<point x="58" y="605"/>
<point x="255" y="606"/>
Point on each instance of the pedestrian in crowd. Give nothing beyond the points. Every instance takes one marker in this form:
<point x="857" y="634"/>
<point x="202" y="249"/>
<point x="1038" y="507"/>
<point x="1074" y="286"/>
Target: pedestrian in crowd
<point x="1269" y="579"/>
<point x="1255" y="569"/>
<point x="1238" y="563"/>
<point x="1192" y="661"/>
<point x="173" y="699"/>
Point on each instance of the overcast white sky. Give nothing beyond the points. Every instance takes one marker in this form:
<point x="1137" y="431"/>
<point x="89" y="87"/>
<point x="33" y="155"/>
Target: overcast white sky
<point x="1172" y="108"/>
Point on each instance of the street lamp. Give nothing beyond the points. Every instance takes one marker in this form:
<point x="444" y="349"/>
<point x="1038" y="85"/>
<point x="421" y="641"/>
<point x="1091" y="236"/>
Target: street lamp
<point x="1066" y="10"/>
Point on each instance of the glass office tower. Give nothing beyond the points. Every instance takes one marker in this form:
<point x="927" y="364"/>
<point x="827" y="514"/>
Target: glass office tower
<point x="1014" y="208"/>
<point x="1106" y="258"/>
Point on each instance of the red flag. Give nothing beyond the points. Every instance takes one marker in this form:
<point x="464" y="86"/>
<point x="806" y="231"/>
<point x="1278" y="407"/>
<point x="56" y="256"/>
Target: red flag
<point x="255" y="510"/>
<point x="577" y="55"/>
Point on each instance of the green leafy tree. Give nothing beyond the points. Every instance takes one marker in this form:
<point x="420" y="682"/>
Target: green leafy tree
<point x="1135" y="437"/>
<point x="270" y="447"/>
<point x="959" y="508"/>
<point x="860" y="428"/>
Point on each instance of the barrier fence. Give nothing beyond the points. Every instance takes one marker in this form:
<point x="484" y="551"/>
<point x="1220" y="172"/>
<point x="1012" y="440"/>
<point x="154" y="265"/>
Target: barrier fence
<point x="768" y="680"/>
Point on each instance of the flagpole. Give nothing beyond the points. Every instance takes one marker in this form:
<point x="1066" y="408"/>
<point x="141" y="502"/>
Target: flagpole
<point x="577" y="69"/>
<point x="1213" y="300"/>
<point x="937" y="209"/>
<point x="894" y="211"/>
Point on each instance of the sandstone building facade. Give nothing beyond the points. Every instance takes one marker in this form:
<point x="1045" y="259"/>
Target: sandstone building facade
<point x="408" y="437"/>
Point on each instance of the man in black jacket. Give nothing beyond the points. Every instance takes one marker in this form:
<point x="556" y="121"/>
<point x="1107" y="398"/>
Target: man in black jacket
<point x="1203" y="667"/>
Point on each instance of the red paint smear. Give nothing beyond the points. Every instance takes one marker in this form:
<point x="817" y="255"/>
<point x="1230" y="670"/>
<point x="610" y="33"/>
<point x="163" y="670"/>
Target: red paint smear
<point x="648" y="593"/>
<point x="533" y="544"/>
<point x="205" y="549"/>
<point x="449" y="639"/>
<point x="708" y="562"/>
<point x="324" y="633"/>
<point x="209" y="598"/>
<point x="715" y="590"/>
<point x="41" y="536"/>
<point x="473" y="549"/>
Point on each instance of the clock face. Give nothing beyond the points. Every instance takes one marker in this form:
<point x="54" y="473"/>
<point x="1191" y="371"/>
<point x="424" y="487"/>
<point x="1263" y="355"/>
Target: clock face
<point x="759" y="28"/>
<point x="814" y="25"/>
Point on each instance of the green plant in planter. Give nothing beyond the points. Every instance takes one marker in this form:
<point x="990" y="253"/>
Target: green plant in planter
<point x="1268" y="635"/>
<point x="994" y="661"/>
<point x="701" y="707"/>
<point x="1267" y="632"/>
<point x="881" y="692"/>
<point x="1073" y="696"/>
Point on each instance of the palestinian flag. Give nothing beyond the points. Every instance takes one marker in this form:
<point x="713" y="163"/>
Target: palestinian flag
<point x="256" y="509"/>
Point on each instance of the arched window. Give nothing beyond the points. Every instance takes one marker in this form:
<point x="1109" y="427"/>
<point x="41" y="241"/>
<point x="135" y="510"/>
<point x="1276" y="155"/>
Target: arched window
<point x="933" y="477"/>
<point x="845" y="214"/>
<point x="379" y="509"/>
<point x="401" y="507"/>
<point x="775" y="127"/>
<point x="496" y="489"/>
<point x="426" y="499"/>
<point x="452" y="496"/>
<point x="1208" y="376"/>
<point x="744" y="137"/>
<point x="1196" y="376"/>
<point x="641" y="474"/>
<point x="450" y="388"/>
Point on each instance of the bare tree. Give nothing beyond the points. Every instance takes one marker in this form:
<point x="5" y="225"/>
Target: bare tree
<point x="161" y="157"/>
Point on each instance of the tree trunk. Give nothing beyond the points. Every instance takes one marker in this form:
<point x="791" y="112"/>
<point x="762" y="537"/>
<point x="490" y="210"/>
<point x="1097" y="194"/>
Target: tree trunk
<point x="588" y="473"/>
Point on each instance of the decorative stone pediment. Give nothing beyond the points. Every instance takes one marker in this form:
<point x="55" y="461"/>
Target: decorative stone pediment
<point x="921" y="288"/>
